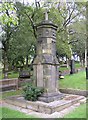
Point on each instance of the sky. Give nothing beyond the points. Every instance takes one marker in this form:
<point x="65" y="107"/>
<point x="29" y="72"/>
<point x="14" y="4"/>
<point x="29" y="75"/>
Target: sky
<point x="27" y="1"/>
<point x="31" y="1"/>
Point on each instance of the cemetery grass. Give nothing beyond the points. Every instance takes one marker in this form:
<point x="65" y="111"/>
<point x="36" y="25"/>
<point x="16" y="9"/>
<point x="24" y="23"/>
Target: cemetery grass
<point x="11" y="93"/>
<point x="12" y="74"/>
<point x="64" y="68"/>
<point x="75" y="81"/>
<point x="9" y="113"/>
<point x="79" y="112"/>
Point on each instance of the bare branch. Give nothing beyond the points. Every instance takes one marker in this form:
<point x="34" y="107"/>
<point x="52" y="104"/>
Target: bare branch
<point x="70" y="15"/>
<point x="60" y="11"/>
<point x="32" y="24"/>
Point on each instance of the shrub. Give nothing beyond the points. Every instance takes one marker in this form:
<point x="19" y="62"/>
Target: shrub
<point x="32" y="93"/>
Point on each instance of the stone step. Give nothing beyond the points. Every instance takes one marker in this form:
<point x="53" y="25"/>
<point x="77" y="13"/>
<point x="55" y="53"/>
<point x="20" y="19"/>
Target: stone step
<point x="42" y="107"/>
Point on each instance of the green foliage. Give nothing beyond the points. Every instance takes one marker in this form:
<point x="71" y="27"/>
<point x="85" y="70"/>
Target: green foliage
<point x="8" y="15"/>
<point x="23" y="42"/>
<point x="32" y="93"/>
<point x="20" y="23"/>
<point x="80" y="28"/>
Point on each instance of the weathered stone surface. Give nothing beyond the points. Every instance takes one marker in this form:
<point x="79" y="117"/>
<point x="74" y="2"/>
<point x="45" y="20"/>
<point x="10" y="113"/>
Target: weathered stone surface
<point x="49" y="98"/>
<point x="74" y="92"/>
<point x="43" y="107"/>
<point x="65" y="105"/>
<point x="31" y="106"/>
<point x="46" y="63"/>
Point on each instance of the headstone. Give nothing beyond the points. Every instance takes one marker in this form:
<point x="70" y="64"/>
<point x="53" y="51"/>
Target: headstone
<point x="46" y="64"/>
<point x="24" y="74"/>
<point x="86" y="72"/>
<point x="72" y="66"/>
<point x="87" y="69"/>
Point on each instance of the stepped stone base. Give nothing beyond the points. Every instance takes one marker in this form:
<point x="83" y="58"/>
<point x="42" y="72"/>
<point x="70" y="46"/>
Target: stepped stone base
<point x="50" y="97"/>
<point x="43" y="107"/>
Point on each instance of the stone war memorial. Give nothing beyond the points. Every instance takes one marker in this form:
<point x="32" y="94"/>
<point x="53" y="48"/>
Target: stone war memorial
<point x="46" y="63"/>
<point x="46" y="68"/>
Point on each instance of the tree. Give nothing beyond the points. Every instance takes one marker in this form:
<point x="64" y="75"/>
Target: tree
<point x="22" y="32"/>
<point x="9" y="22"/>
<point x="24" y="38"/>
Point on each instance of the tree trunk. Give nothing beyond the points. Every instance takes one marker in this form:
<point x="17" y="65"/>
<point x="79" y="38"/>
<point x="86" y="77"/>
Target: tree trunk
<point x="5" y="66"/>
<point x="85" y="55"/>
<point x="67" y="61"/>
<point x="86" y="44"/>
<point x="27" y="60"/>
<point x="81" y="61"/>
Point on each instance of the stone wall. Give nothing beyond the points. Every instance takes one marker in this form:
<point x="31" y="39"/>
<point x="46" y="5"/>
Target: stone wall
<point x="74" y="92"/>
<point x="12" y="84"/>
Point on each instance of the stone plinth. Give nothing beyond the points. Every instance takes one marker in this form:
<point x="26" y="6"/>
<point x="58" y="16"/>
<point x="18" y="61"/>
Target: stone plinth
<point x="49" y="97"/>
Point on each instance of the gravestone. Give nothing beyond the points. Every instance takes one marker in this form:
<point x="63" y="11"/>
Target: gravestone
<point x="46" y="64"/>
<point x="24" y="74"/>
<point x="87" y="69"/>
<point x="72" y="66"/>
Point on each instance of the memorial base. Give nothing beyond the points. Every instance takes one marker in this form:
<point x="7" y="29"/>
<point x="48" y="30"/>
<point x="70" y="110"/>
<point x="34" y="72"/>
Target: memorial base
<point x="43" y="107"/>
<point x="50" y="97"/>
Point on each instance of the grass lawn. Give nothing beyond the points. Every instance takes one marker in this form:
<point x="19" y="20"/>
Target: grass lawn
<point x="13" y="75"/>
<point x="79" y="112"/>
<point x="11" y="93"/>
<point x="10" y="75"/>
<point x="75" y="81"/>
<point x="64" y="68"/>
<point x="9" y="113"/>
<point x="77" y="65"/>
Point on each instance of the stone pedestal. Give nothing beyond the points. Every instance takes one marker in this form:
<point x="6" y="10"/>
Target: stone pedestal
<point x="46" y="64"/>
<point x="50" y="97"/>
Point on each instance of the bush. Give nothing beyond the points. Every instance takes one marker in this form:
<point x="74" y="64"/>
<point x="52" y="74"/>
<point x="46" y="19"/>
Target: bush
<point x="32" y="93"/>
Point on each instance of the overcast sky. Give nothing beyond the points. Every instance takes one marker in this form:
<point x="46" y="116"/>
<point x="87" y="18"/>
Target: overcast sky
<point x="27" y="1"/>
